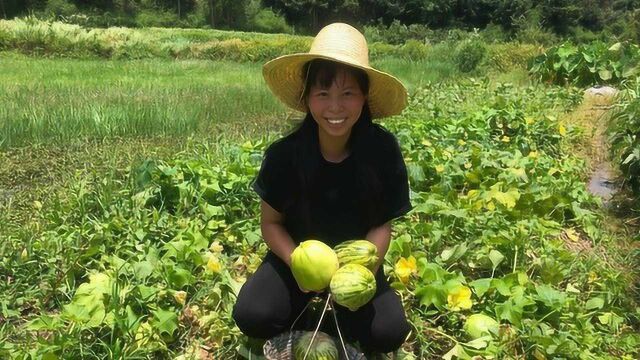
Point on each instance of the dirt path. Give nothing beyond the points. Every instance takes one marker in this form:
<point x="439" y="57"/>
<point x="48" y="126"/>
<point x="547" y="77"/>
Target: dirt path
<point x="592" y="116"/>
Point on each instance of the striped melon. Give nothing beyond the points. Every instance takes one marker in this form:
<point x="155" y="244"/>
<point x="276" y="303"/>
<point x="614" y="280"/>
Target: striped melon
<point x="323" y="348"/>
<point x="352" y="286"/>
<point x="362" y="252"/>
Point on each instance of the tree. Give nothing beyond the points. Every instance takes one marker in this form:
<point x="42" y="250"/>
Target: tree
<point x="559" y="15"/>
<point x="313" y="14"/>
<point x="228" y="14"/>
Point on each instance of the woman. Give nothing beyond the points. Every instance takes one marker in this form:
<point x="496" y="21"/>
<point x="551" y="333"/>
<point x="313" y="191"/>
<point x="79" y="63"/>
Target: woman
<point x="337" y="177"/>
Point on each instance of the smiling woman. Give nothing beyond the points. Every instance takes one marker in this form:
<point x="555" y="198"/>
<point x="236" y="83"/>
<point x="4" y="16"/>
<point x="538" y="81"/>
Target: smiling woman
<point x="337" y="177"/>
<point x="335" y="102"/>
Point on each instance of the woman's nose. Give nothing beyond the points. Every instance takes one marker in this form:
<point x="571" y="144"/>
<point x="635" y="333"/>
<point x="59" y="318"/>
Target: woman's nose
<point x="335" y="103"/>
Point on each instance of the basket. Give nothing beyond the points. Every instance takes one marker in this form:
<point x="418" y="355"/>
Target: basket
<point x="281" y="347"/>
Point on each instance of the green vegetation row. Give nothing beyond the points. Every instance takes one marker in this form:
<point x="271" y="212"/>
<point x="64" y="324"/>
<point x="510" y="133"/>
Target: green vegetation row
<point x="56" y="39"/>
<point x="624" y="133"/>
<point x="146" y="262"/>
<point x="590" y="64"/>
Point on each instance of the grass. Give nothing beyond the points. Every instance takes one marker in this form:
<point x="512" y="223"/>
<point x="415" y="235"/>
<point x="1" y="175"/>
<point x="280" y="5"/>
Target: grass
<point x="62" y="100"/>
<point x="57" y="101"/>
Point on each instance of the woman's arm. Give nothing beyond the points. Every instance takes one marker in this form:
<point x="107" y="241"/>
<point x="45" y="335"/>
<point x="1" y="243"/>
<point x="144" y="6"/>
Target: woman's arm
<point x="380" y="236"/>
<point x="274" y="233"/>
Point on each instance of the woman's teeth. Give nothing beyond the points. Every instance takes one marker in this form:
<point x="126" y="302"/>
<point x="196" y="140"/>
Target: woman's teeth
<point x="335" y="121"/>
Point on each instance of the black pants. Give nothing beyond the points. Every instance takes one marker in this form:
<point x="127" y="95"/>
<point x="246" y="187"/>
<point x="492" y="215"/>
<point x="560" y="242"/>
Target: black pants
<point x="270" y="301"/>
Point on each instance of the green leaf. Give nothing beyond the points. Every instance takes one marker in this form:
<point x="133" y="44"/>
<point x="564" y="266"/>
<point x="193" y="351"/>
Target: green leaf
<point x="481" y="286"/>
<point x="496" y="258"/>
<point x="502" y="287"/>
<point x="165" y="321"/>
<point x="211" y="211"/>
<point x="605" y="74"/>
<point x="179" y="277"/>
<point x="457" y="351"/>
<point x="479" y="343"/>
<point x="415" y="173"/>
<point x="142" y="269"/>
<point x="595" y="303"/>
<point x="572" y="289"/>
<point x="551" y="297"/>
<point x="453" y="254"/>
<point x="87" y="307"/>
<point x="434" y="295"/>
<point x="510" y="311"/>
<point x="508" y="199"/>
<point x="458" y="213"/>
<point x="616" y="47"/>
<point x="45" y="322"/>
<point x="566" y="50"/>
<point x="629" y="159"/>
<point x="147" y="293"/>
<point x="133" y="320"/>
<point x="629" y="71"/>
<point x="431" y="272"/>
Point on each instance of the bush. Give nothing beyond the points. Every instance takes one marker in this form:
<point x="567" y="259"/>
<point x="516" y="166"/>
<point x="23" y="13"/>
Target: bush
<point x="148" y="18"/>
<point x="494" y="33"/>
<point x="535" y="34"/>
<point x="60" y="8"/>
<point x="507" y="56"/>
<point x="588" y="64"/>
<point x="397" y="33"/>
<point x="267" y="21"/>
<point x="414" y="50"/>
<point x="624" y="132"/>
<point x="581" y="35"/>
<point x="469" y="54"/>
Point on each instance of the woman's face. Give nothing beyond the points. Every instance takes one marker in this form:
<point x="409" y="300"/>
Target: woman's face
<point x="337" y="108"/>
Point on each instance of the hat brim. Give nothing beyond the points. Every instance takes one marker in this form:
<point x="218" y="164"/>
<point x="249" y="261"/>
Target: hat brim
<point x="283" y="75"/>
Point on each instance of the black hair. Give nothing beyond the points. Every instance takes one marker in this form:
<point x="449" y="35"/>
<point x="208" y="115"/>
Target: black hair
<point x="361" y="144"/>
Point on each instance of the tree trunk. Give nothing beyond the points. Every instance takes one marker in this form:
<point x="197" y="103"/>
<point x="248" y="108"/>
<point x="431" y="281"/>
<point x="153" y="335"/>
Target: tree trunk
<point x="179" y="12"/>
<point x="314" y="19"/>
<point x="4" y="12"/>
<point x="212" y="13"/>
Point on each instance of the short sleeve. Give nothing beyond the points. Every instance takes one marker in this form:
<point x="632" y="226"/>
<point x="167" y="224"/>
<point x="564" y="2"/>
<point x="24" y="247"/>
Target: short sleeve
<point x="270" y="183"/>
<point x="396" y="183"/>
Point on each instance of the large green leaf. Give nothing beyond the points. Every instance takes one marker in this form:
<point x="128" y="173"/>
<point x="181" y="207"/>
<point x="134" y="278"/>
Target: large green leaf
<point x="165" y="322"/>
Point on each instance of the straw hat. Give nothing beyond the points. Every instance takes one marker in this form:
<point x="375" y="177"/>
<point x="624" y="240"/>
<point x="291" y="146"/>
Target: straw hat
<point x="344" y="44"/>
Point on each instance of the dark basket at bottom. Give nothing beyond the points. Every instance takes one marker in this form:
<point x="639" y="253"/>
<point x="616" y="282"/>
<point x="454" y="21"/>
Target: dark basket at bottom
<point x="281" y="347"/>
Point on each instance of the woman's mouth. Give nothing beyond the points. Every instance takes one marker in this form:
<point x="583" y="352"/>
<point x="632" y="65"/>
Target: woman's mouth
<point x="336" y="121"/>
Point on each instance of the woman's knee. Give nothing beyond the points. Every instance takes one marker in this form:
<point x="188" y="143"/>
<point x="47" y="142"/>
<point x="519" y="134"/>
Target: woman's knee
<point x="258" y="320"/>
<point x="389" y="328"/>
<point x="388" y="336"/>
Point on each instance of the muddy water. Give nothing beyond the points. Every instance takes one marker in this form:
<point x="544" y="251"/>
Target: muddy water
<point x="602" y="182"/>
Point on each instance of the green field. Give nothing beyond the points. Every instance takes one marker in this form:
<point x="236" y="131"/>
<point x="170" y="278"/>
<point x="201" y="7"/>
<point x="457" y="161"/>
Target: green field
<point x="128" y="221"/>
<point x="57" y="101"/>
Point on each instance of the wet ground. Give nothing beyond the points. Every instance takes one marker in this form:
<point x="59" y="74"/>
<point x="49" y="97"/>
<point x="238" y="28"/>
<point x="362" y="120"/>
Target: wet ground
<point x="602" y="182"/>
<point x="596" y="103"/>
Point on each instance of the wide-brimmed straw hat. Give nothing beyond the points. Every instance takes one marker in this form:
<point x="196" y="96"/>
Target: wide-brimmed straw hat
<point x="344" y="44"/>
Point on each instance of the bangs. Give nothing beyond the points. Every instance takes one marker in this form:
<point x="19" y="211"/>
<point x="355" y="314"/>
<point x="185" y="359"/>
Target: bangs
<point x="323" y="73"/>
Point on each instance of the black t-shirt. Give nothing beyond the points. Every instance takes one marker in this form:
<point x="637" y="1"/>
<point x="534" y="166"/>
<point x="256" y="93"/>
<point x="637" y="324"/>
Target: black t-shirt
<point x="337" y="211"/>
